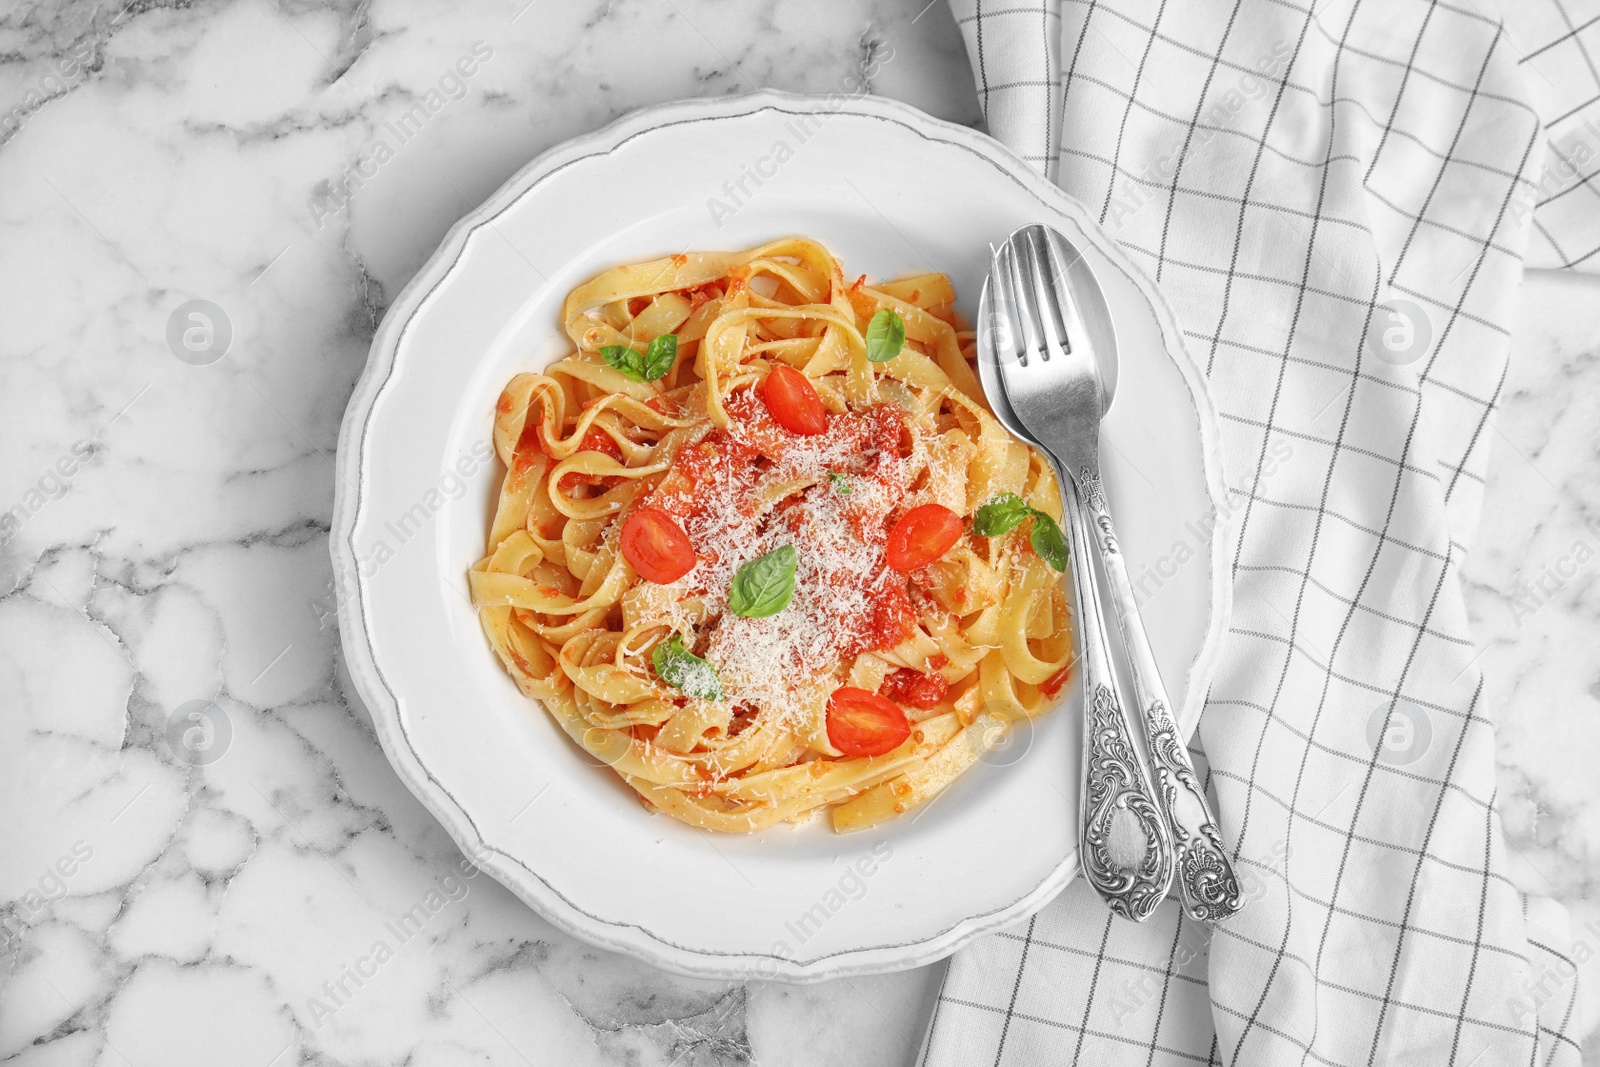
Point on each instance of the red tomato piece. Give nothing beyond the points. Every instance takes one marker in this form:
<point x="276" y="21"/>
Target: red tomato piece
<point x="920" y="690"/>
<point x="597" y="440"/>
<point x="528" y="448"/>
<point x="1052" y="685"/>
<point x="865" y="724"/>
<point x="702" y="294"/>
<point x="922" y="535"/>
<point x="656" y="546"/>
<point x="793" y="401"/>
<point x="887" y="621"/>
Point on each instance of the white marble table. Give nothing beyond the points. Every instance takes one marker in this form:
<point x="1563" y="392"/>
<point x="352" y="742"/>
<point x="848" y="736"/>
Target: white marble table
<point x="167" y="539"/>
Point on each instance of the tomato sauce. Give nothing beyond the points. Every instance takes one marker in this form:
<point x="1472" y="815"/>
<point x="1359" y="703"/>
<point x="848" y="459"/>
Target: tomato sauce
<point x="596" y="440"/>
<point x="729" y="468"/>
<point x="889" y="622"/>
<point x="528" y="451"/>
<point x="915" y="689"/>
<point x="702" y="294"/>
<point x="1052" y="685"/>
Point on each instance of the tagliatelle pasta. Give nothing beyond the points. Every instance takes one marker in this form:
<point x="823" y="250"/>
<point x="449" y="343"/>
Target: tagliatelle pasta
<point x="734" y="552"/>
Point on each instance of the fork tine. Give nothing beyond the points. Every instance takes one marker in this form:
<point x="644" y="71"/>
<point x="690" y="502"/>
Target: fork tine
<point x="1062" y="254"/>
<point x="1020" y="299"/>
<point x="1002" y="336"/>
<point x="1055" y="266"/>
<point x="1046" y="307"/>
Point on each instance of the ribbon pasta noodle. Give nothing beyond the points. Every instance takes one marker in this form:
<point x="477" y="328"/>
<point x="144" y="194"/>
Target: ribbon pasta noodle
<point x="734" y="554"/>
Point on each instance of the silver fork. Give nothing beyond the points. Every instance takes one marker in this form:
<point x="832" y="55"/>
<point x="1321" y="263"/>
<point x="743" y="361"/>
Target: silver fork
<point x="1117" y="801"/>
<point x="1055" y="387"/>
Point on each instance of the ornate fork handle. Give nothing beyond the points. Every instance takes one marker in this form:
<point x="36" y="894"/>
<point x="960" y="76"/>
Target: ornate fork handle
<point x="1116" y="786"/>
<point x="1205" y="874"/>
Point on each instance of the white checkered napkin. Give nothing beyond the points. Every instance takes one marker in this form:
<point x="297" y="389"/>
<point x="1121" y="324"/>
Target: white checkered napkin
<point x="1335" y="201"/>
<point x="1559" y="45"/>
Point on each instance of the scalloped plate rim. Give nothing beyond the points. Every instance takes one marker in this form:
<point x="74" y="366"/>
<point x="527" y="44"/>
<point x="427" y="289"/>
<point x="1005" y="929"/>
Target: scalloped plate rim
<point x="629" y="938"/>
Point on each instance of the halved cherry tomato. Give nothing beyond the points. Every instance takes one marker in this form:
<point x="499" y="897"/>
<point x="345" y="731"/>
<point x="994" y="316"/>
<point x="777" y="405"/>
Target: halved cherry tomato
<point x="793" y="401"/>
<point x="865" y="724"/>
<point x="656" y="546"/>
<point x="922" y="535"/>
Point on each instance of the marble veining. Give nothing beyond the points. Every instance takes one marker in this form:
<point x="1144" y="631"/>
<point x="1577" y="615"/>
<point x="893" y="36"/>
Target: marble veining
<point x="205" y="857"/>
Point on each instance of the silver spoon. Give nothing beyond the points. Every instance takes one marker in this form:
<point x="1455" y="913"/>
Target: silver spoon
<point x="1059" y="299"/>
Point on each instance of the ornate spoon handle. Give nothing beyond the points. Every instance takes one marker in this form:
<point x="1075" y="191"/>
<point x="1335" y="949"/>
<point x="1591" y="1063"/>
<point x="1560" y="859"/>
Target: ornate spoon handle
<point x="1117" y="800"/>
<point x="1205" y="874"/>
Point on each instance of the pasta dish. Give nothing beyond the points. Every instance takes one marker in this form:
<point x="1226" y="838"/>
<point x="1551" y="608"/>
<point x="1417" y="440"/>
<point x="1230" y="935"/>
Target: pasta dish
<point x="761" y="547"/>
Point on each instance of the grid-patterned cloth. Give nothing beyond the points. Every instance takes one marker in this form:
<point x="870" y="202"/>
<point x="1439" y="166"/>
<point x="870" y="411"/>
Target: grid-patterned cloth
<point x="1339" y="202"/>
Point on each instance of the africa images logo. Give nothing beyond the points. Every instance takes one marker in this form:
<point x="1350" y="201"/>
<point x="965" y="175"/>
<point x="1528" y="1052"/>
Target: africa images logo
<point x="199" y="332"/>
<point x="1399" y="732"/>
<point x="199" y="733"/>
<point x="1399" y="332"/>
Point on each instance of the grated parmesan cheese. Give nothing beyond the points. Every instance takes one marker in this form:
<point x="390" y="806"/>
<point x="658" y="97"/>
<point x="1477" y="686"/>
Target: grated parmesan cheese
<point x="766" y="488"/>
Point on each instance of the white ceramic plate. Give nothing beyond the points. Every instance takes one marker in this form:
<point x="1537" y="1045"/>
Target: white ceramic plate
<point x="890" y="191"/>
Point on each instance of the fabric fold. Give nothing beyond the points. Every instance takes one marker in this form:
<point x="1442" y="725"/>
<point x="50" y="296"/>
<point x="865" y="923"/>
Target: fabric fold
<point x="1339" y="202"/>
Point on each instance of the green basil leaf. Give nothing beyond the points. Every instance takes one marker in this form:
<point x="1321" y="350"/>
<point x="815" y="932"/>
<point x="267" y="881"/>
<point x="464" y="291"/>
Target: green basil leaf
<point x="1000" y="515"/>
<point x="660" y="356"/>
<point x="685" y="671"/>
<point x="624" y="359"/>
<point x="841" y="484"/>
<point x="886" y="335"/>
<point x="764" y="585"/>
<point x="1048" y="540"/>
